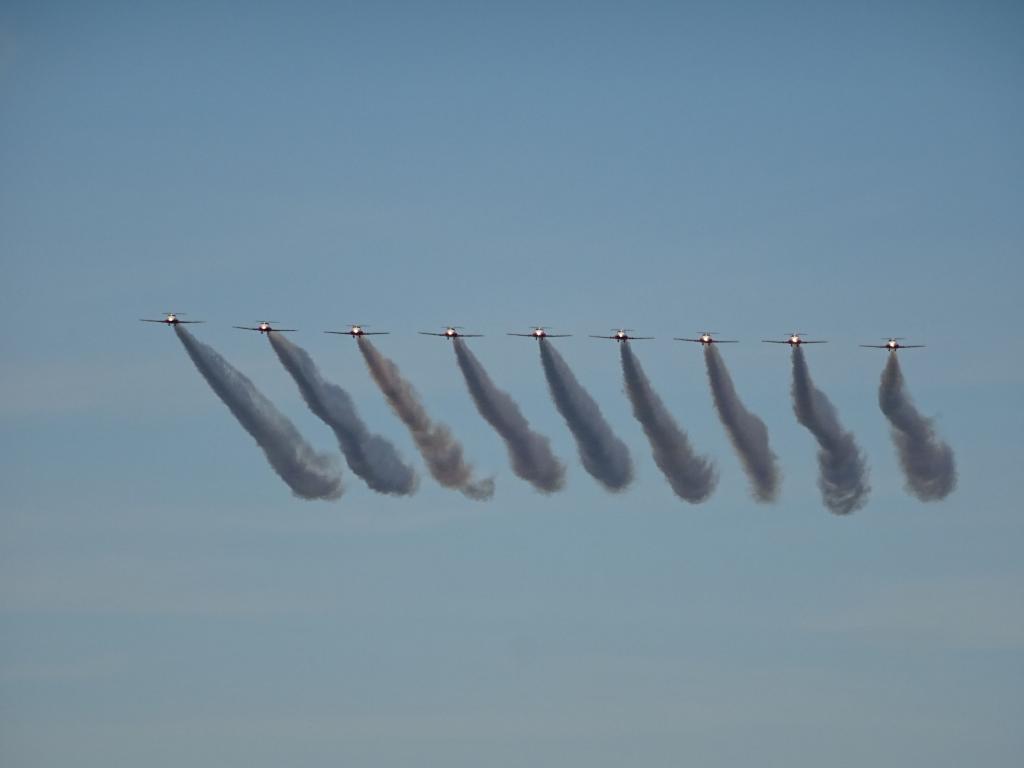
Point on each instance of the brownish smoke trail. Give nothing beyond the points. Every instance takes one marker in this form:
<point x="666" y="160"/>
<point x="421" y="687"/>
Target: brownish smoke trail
<point x="439" y="449"/>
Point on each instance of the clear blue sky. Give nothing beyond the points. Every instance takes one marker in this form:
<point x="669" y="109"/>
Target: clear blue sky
<point x="851" y="170"/>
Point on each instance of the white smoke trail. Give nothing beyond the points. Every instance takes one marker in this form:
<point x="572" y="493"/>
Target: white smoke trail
<point x="309" y="474"/>
<point x="604" y="455"/>
<point x="747" y="432"/>
<point x="369" y="456"/>
<point x="842" y="471"/>
<point x="529" y="452"/>
<point x="692" y="477"/>
<point x="927" y="461"/>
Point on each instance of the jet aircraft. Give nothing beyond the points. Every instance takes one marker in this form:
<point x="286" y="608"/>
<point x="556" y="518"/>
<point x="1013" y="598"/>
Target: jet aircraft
<point x="359" y="330"/>
<point x="893" y="344"/>
<point x="621" y="334"/>
<point x="263" y="327"/>
<point x="541" y="333"/>
<point x="172" y="318"/>
<point x="705" y="339"/>
<point x="794" y="340"/>
<point x="452" y="332"/>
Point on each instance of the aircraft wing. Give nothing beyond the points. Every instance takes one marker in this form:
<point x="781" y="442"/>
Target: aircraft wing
<point x="430" y="333"/>
<point x="469" y="335"/>
<point x="375" y="333"/>
<point x="189" y="321"/>
<point x="339" y="333"/>
<point x="557" y="335"/>
<point x="676" y="338"/>
<point x="776" y="341"/>
<point x="886" y="346"/>
<point x="145" y="320"/>
<point x="802" y="341"/>
<point x="282" y="330"/>
<point x="603" y="337"/>
<point x="245" y="328"/>
<point x="634" y="338"/>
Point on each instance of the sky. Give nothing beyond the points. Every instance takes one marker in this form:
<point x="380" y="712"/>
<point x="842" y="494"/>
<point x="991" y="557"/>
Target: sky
<point x="849" y="170"/>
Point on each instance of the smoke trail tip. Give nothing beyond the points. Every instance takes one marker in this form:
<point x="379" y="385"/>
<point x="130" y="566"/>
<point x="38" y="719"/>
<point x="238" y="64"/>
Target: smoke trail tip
<point x="481" y="490"/>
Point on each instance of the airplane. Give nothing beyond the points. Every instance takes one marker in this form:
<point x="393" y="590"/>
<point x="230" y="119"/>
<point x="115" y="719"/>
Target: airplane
<point x="893" y="344"/>
<point x="452" y="332"/>
<point x="541" y="333"/>
<point x="621" y="334"/>
<point x="359" y="330"/>
<point x="173" y="318"/>
<point x="794" y="340"/>
<point x="705" y="339"/>
<point x="263" y="327"/>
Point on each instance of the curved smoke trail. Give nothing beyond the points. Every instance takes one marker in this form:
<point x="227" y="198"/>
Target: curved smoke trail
<point x="603" y="455"/>
<point x="927" y="461"/>
<point x="692" y="477"/>
<point x="842" y="471"/>
<point x="369" y="456"/>
<point x="529" y="452"/>
<point x="747" y="432"/>
<point x="309" y="474"/>
<point x="439" y="449"/>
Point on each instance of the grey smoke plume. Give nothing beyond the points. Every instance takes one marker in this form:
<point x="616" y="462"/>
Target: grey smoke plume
<point x="309" y="474"/>
<point x="603" y="455"/>
<point x="927" y="461"/>
<point x="529" y="452"/>
<point x="439" y="449"/>
<point x="370" y="456"/>
<point x="842" y="471"/>
<point x="692" y="477"/>
<point x="747" y="432"/>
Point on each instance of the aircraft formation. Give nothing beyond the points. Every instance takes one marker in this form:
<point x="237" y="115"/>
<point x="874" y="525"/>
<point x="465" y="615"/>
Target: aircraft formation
<point x="704" y="338"/>
<point x="927" y="461"/>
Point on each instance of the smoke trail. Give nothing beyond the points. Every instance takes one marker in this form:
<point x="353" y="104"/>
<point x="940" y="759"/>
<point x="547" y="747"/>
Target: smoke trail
<point x="309" y="474"/>
<point x="529" y="452"/>
<point x="370" y="456"/>
<point x="436" y="444"/>
<point x="603" y="455"/>
<point x="843" y="474"/>
<point x="692" y="477"/>
<point x="927" y="461"/>
<point x="747" y="432"/>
